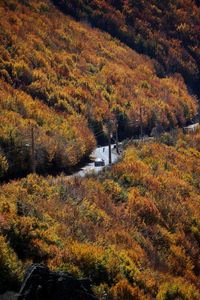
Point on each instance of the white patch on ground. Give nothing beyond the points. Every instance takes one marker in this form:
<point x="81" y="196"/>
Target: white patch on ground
<point x="102" y="153"/>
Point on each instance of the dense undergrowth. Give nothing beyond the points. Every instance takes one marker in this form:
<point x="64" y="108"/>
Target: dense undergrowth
<point x="62" y="78"/>
<point x="135" y="230"/>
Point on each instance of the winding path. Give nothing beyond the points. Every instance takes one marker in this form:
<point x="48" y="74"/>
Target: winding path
<point x="99" y="152"/>
<point x="102" y="153"/>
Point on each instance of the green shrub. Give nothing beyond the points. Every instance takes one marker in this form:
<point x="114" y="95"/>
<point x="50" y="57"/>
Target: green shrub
<point x="178" y="290"/>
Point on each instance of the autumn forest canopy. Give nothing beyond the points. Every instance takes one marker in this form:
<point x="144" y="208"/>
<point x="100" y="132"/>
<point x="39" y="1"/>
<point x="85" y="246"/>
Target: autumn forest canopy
<point x="68" y="71"/>
<point x="66" y="79"/>
<point x="168" y="31"/>
<point x="135" y="230"/>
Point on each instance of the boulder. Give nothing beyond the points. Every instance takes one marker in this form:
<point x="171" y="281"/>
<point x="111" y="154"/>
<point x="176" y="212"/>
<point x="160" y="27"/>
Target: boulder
<point x="42" y="284"/>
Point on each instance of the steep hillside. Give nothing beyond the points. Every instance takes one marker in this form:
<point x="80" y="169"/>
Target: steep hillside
<point x="135" y="231"/>
<point x="59" y="140"/>
<point x="168" y="30"/>
<point x="57" y="75"/>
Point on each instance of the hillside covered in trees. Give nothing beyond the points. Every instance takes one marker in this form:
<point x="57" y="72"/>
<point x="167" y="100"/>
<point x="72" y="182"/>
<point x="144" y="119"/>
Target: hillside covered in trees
<point x="135" y="230"/>
<point x="61" y="80"/>
<point x="167" y="30"/>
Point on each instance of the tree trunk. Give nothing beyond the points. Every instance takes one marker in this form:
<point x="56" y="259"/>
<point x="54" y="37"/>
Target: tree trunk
<point x="33" y="161"/>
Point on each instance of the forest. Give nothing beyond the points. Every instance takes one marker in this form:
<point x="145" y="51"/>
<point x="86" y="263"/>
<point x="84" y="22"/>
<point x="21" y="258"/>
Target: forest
<point x="135" y="230"/>
<point x="66" y="86"/>
<point x="68" y="71"/>
<point x="168" y="31"/>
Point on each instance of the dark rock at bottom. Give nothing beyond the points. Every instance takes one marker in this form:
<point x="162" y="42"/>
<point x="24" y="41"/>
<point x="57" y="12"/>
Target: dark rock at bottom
<point x="42" y="284"/>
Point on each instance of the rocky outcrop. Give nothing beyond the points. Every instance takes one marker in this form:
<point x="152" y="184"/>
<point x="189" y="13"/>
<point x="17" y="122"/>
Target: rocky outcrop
<point x="42" y="284"/>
